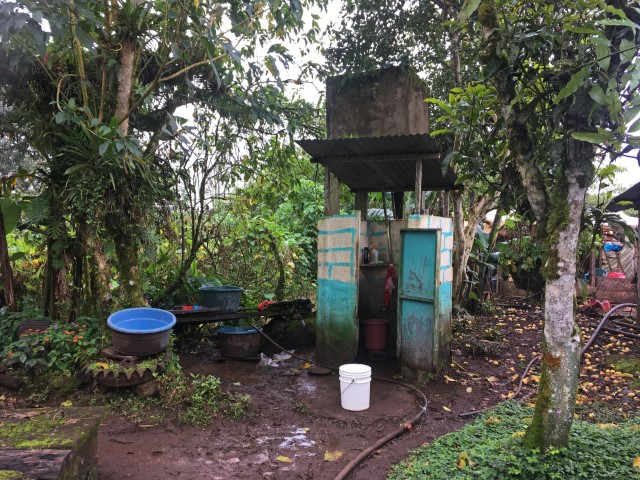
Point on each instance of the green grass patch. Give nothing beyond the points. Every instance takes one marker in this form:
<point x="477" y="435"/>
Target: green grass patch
<point x="37" y="432"/>
<point x="491" y="448"/>
<point x="624" y="364"/>
<point x="11" y="475"/>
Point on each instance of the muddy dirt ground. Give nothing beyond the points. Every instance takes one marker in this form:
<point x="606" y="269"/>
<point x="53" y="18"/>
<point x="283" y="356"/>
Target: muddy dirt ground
<point x="297" y="419"/>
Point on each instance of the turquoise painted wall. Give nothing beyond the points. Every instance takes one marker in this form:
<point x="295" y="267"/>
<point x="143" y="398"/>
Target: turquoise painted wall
<point x="336" y="316"/>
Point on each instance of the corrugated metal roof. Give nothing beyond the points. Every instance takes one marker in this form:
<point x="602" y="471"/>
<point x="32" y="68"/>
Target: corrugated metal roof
<point x="382" y="164"/>
<point x="632" y="195"/>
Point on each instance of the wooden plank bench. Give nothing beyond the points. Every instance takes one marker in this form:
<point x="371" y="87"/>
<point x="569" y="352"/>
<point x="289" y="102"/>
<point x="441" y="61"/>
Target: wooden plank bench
<point x="209" y="315"/>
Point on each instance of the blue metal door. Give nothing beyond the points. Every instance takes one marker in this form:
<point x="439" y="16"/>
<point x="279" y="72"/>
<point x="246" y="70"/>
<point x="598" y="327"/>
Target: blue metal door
<point x="417" y="299"/>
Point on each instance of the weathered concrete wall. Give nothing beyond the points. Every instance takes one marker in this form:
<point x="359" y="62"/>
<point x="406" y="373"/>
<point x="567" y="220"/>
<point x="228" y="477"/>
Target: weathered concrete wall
<point x="336" y="317"/>
<point x="390" y="102"/>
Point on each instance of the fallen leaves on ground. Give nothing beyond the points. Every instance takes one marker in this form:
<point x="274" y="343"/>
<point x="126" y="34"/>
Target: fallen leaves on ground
<point x="332" y="455"/>
<point x="519" y="329"/>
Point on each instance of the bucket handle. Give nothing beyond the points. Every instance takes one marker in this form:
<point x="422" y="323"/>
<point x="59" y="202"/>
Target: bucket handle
<point x="353" y="380"/>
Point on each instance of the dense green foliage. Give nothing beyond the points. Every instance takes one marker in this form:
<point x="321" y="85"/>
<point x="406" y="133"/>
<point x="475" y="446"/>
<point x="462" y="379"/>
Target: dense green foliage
<point x="144" y="119"/>
<point x="57" y="349"/>
<point x="491" y="448"/>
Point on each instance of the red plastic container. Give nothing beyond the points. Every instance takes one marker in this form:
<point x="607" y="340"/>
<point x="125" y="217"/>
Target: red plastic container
<point x="375" y="334"/>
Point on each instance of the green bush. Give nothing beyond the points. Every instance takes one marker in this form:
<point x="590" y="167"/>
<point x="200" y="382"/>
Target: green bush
<point x="61" y="348"/>
<point x="491" y="448"/>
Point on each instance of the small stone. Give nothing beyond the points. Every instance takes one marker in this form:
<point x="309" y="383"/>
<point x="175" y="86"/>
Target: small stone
<point x="147" y="389"/>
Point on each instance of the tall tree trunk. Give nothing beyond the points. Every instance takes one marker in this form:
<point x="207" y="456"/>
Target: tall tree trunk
<point x="279" y="287"/>
<point x="98" y="274"/>
<point x="56" y="288"/>
<point x="125" y="243"/>
<point x="491" y="245"/>
<point x="131" y="288"/>
<point x="459" y="265"/>
<point x="5" y="269"/>
<point x="56" y="291"/>
<point x="562" y="343"/>
<point x="558" y="210"/>
<point x="464" y="235"/>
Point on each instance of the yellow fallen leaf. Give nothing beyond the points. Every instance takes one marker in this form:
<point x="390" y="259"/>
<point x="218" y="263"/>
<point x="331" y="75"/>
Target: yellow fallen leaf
<point x="284" y="459"/>
<point x="445" y="408"/>
<point x="636" y="463"/>
<point x="464" y="460"/>
<point x="66" y="403"/>
<point x="607" y="425"/>
<point x="103" y="365"/>
<point x="448" y="379"/>
<point x="332" y="456"/>
<point x="517" y="434"/>
<point x="492" y="420"/>
<point x="492" y="379"/>
<point x="306" y="365"/>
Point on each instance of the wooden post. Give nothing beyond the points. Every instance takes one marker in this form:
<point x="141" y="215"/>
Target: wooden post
<point x="418" y="189"/>
<point x="331" y="194"/>
<point x="362" y="204"/>
<point x="398" y="205"/>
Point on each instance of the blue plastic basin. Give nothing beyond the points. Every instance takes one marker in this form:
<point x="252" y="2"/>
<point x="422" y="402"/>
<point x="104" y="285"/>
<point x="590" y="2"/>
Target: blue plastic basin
<point x="141" y="320"/>
<point x="141" y="331"/>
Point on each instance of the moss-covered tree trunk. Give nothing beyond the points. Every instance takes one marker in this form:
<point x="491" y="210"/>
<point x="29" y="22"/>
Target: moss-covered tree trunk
<point x="5" y="270"/>
<point x="561" y="346"/>
<point x="131" y="288"/>
<point x="557" y="201"/>
<point x="97" y="273"/>
<point x="56" y="288"/>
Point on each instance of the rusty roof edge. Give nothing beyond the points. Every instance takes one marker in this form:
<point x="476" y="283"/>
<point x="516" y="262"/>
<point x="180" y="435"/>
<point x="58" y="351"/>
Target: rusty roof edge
<point x="417" y="140"/>
<point x="630" y="195"/>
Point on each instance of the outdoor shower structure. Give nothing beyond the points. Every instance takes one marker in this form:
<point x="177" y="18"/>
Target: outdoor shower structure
<point x="378" y="142"/>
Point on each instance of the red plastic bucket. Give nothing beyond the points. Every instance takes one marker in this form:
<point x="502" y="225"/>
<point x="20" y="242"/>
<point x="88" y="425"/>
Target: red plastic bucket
<point x="375" y="334"/>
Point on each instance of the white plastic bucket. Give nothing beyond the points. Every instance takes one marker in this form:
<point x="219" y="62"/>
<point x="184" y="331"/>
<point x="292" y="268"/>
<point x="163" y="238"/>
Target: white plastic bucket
<point x="355" y="385"/>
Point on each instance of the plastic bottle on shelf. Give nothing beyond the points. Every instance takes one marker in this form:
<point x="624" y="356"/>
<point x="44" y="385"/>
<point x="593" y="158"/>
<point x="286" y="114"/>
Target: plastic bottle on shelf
<point x="373" y="254"/>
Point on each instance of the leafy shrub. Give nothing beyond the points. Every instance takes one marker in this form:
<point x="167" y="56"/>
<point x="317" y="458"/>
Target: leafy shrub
<point x="238" y="405"/>
<point x="58" y="349"/>
<point x="522" y="259"/>
<point x="491" y="448"/>
<point x="520" y="253"/>
<point x="9" y="324"/>
<point x="206" y="396"/>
